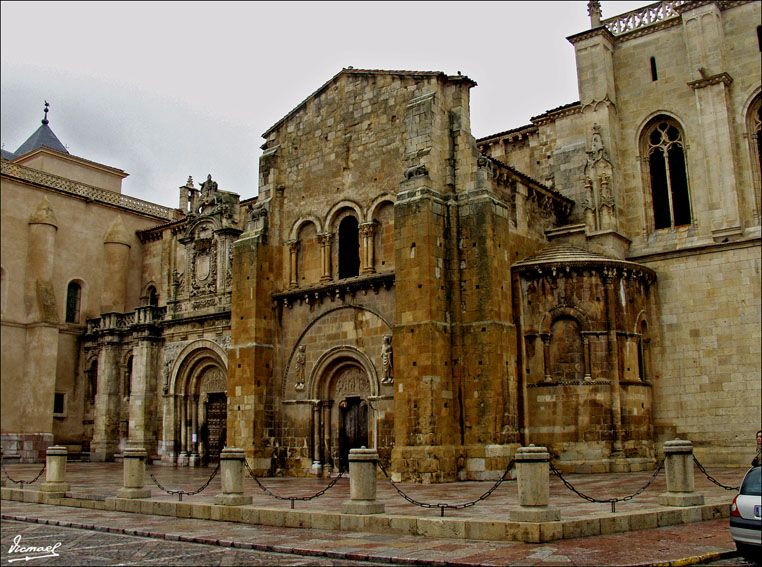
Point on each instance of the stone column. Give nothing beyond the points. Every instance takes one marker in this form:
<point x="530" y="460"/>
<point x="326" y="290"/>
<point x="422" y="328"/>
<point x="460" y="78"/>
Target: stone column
<point x="546" y="356"/>
<point x="586" y="353"/>
<point x="326" y="435"/>
<point x="362" y="483"/>
<point x="55" y="484"/>
<point x="325" y="239"/>
<point x="293" y="252"/>
<point x="533" y="472"/>
<point x="316" y="435"/>
<point x="194" y="458"/>
<point x="609" y="284"/>
<point x="231" y="469"/>
<point x="134" y="460"/>
<point x="368" y="231"/>
<point x="679" y="465"/>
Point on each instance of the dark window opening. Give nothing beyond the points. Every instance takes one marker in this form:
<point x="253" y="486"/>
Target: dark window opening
<point x="153" y="297"/>
<point x="654" y="75"/>
<point x="668" y="176"/>
<point x="128" y="379"/>
<point x="349" y="248"/>
<point x="59" y="406"/>
<point x="92" y="382"/>
<point x="73" y="298"/>
<point x="759" y="37"/>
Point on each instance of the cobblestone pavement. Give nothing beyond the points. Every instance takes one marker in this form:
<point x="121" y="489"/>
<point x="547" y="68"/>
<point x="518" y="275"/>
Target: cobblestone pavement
<point x="676" y="545"/>
<point x="89" y="547"/>
<point x="100" y="480"/>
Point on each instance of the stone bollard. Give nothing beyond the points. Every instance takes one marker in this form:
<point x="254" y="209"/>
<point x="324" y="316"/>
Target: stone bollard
<point x="533" y="472"/>
<point x="362" y="483"/>
<point x="231" y="469"/>
<point x="679" y="465"/>
<point x="55" y="484"/>
<point x="134" y="464"/>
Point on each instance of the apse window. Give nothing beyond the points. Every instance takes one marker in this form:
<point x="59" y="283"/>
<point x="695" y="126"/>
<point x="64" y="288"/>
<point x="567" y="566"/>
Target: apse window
<point x="59" y="405"/>
<point x="667" y="174"/>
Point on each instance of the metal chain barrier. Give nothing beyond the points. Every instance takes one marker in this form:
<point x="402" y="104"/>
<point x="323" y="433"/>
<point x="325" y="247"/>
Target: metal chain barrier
<point x="443" y="506"/>
<point x="23" y="482"/>
<point x="611" y="501"/>
<point x="186" y="492"/>
<point x="292" y="499"/>
<point x="714" y="480"/>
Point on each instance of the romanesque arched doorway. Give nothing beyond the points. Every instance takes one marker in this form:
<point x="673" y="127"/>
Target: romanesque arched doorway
<point x="198" y="397"/>
<point x="344" y="384"/>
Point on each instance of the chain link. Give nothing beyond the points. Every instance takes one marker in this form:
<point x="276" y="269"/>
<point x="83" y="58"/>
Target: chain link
<point x="444" y="506"/>
<point x="715" y="481"/>
<point x="23" y="482"/>
<point x="611" y="501"/>
<point x="180" y="493"/>
<point x="292" y="498"/>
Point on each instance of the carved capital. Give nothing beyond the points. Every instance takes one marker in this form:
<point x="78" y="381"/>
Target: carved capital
<point x="325" y="238"/>
<point x="368" y="228"/>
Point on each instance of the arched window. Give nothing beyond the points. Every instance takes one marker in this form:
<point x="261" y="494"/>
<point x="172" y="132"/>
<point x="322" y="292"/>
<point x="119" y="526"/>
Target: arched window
<point x="349" y="248"/>
<point x="667" y="174"/>
<point x="153" y="297"/>
<point x="644" y="355"/>
<point x="73" y="298"/>
<point x="567" y="358"/>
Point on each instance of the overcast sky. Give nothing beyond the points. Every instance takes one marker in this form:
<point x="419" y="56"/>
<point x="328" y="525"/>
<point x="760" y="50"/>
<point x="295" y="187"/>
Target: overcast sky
<point x="168" y="90"/>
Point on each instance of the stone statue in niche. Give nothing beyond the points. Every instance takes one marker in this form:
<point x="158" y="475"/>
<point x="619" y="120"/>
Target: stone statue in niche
<point x="301" y="358"/>
<point x="387" y="362"/>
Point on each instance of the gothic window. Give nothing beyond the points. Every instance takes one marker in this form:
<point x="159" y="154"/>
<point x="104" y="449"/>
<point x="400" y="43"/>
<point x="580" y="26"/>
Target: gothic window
<point x="153" y="297"/>
<point x="667" y="174"/>
<point x="753" y="127"/>
<point x="73" y="298"/>
<point x="349" y="248"/>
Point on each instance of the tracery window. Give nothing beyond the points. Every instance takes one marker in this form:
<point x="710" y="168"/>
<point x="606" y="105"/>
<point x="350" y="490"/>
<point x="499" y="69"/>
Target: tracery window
<point x="664" y="147"/>
<point x="73" y="298"/>
<point x="349" y="248"/>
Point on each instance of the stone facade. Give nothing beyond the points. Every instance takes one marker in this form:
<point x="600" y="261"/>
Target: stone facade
<point x="399" y="285"/>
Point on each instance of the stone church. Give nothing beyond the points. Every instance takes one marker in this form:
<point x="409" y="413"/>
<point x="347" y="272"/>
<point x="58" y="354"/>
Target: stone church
<point x="589" y="282"/>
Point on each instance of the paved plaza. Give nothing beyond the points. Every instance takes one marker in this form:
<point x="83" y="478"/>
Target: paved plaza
<point x="95" y="482"/>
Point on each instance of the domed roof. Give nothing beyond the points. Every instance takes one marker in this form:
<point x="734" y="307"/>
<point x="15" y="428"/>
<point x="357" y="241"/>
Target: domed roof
<point x="561" y="254"/>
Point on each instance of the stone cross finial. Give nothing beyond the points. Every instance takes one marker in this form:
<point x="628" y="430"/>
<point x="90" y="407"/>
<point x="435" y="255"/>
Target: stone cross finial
<point x="47" y="105"/>
<point x="594" y="11"/>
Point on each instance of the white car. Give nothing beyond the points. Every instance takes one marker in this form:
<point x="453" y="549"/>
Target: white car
<point x="745" y="521"/>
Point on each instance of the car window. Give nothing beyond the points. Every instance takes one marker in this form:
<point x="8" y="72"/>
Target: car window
<point x="752" y="484"/>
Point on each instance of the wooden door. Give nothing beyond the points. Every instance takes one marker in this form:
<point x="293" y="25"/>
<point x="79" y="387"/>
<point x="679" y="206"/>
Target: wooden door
<point x="216" y="425"/>
<point x="353" y="429"/>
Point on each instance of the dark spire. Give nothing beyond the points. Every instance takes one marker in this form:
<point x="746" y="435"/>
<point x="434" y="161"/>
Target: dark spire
<point x="42" y="137"/>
